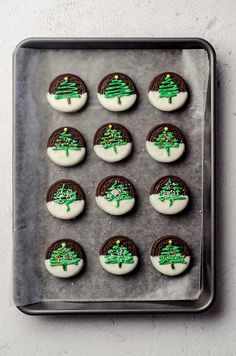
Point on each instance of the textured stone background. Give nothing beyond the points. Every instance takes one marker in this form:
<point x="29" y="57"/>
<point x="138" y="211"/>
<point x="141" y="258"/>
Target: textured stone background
<point x="212" y="333"/>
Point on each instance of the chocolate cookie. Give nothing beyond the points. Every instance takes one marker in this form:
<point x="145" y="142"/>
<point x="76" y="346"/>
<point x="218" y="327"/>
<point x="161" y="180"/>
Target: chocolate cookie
<point x="115" y="195"/>
<point x="64" y="258"/>
<point x="169" y="195"/>
<point x="118" y="255"/>
<point x="117" y="92"/>
<point x="65" y="199"/>
<point x="165" y="143"/>
<point x="170" y="255"/>
<point x="167" y="91"/>
<point x="67" y="93"/>
<point x="66" y="146"/>
<point x="112" y="142"/>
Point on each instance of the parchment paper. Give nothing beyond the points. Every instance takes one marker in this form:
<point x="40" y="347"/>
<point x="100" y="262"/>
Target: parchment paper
<point x="35" y="228"/>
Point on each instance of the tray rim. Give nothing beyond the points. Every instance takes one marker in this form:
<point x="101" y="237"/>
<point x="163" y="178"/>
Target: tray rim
<point x="207" y="294"/>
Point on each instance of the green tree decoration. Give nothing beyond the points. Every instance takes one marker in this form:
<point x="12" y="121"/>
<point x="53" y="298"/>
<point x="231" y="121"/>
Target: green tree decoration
<point x="167" y="140"/>
<point x="65" y="196"/>
<point x="63" y="256"/>
<point x="170" y="255"/>
<point x="119" y="254"/>
<point x="168" y="88"/>
<point x="112" y="138"/>
<point x="171" y="191"/>
<point x="65" y="142"/>
<point x="67" y="90"/>
<point x="117" y="192"/>
<point x="117" y="88"/>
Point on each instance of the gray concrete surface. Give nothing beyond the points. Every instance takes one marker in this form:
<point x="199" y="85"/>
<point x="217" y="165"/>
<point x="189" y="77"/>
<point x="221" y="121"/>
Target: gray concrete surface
<point x="212" y="333"/>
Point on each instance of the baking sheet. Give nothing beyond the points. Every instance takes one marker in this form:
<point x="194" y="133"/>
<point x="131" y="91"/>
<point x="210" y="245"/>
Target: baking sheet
<point x="35" y="228"/>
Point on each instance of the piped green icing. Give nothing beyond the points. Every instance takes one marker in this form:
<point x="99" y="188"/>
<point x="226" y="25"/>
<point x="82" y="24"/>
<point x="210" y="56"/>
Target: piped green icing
<point x="65" y="142"/>
<point x="63" y="256"/>
<point x="65" y="196"/>
<point x="170" y="255"/>
<point x="117" y="88"/>
<point x="171" y="191"/>
<point x="167" y="140"/>
<point x="119" y="254"/>
<point x="67" y="90"/>
<point x="117" y="192"/>
<point x="112" y="138"/>
<point x="168" y="88"/>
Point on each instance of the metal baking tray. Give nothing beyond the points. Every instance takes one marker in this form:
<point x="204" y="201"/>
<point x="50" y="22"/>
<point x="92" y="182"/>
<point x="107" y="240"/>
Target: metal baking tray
<point x="33" y="229"/>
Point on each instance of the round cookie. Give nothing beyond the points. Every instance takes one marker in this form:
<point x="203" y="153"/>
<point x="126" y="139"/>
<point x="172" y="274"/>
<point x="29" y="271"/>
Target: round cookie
<point x="66" y="147"/>
<point x="169" y="195"/>
<point x="117" y="92"/>
<point x="118" y="255"/>
<point x="165" y="143"/>
<point x="67" y="93"/>
<point x="115" y="195"/>
<point x="64" y="258"/>
<point x="65" y="199"/>
<point x="170" y="255"/>
<point x="112" y="142"/>
<point x="167" y="91"/>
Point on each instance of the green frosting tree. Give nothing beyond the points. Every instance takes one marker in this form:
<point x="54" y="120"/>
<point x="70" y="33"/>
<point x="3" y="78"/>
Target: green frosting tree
<point x="63" y="256"/>
<point x="117" y="192"/>
<point x="167" y="140"/>
<point x="112" y="138"/>
<point x="171" y="191"/>
<point x="168" y="88"/>
<point x="65" y="196"/>
<point x="65" y="142"/>
<point x="170" y="255"/>
<point x="117" y="88"/>
<point x="119" y="254"/>
<point x="67" y="90"/>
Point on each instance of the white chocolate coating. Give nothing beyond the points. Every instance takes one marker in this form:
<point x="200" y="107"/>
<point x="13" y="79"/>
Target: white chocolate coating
<point x="109" y="155"/>
<point x="167" y="270"/>
<point x="163" y="104"/>
<point x="113" y="105"/>
<point x="58" y="271"/>
<point x="62" y="104"/>
<point x="59" y="210"/>
<point x="161" y="155"/>
<point x="164" y="207"/>
<point x="114" y="267"/>
<point x="110" y="206"/>
<point x="61" y="159"/>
